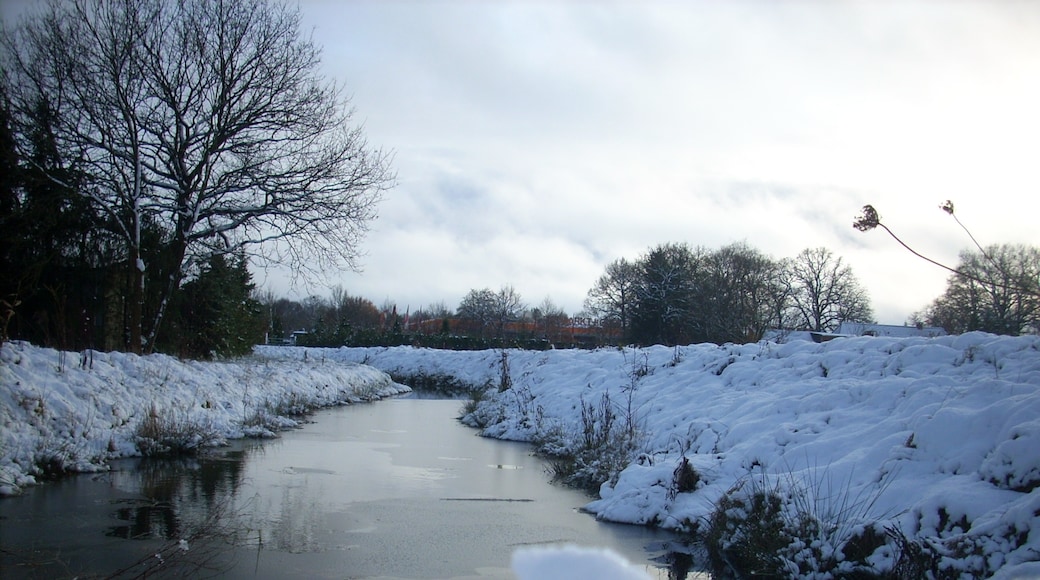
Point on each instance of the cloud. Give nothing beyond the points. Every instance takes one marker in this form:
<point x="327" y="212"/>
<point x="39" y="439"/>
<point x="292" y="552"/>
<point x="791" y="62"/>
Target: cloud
<point x="536" y="142"/>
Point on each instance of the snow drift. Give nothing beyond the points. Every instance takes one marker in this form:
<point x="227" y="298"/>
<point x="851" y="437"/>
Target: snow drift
<point x="64" y="411"/>
<point x="936" y="437"/>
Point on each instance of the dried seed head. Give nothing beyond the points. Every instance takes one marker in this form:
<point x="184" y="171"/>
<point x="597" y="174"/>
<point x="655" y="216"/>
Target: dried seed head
<point x="867" y="220"/>
<point x="947" y="207"/>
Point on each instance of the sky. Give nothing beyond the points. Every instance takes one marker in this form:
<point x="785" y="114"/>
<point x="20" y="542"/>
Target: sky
<point x="535" y="142"/>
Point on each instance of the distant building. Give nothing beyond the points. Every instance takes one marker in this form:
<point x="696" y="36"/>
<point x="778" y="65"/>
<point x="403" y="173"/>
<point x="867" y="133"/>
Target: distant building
<point x="783" y="335"/>
<point x="847" y="329"/>
<point x="891" y="330"/>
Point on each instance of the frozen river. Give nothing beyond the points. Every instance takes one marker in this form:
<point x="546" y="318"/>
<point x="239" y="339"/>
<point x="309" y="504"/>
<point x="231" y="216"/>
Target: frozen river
<point x="394" y="489"/>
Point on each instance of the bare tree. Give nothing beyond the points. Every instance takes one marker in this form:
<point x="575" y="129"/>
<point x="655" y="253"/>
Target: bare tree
<point x="737" y="303"/>
<point x="211" y="120"/>
<point x="613" y="295"/>
<point x="509" y="307"/>
<point x="996" y="290"/>
<point x="478" y="309"/>
<point x="549" y="318"/>
<point x="489" y="310"/>
<point x="825" y="292"/>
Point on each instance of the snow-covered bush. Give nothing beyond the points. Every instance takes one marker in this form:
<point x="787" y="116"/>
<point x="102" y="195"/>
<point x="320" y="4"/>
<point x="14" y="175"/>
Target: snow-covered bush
<point x="172" y="431"/>
<point x="779" y="527"/>
<point x="747" y="531"/>
<point x="594" y="454"/>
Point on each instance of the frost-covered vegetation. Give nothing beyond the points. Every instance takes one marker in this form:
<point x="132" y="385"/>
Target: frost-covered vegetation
<point x="63" y="412"/>
<point x="870" y="456"/>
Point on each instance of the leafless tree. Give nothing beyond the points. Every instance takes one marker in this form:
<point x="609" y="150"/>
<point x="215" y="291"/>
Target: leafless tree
<point x="825" y="291"/>
<point x="996" y="290"/>
<point x="740" y="295"/>
<point x="612" y="297"/>
<point x="477" y="308"/>
<point x="549" y="318"/>
<point x="508" y="307"/>
<point x="489" y="310"/>
<point x="210" y="120"/>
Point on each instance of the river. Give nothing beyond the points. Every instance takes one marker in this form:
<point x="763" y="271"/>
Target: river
<point x="393" y="489"/>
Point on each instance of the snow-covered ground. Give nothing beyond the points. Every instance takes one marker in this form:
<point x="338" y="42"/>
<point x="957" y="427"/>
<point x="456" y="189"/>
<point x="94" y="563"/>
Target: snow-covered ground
<point x="74" y="411"/>
<point x="938" y="437"/>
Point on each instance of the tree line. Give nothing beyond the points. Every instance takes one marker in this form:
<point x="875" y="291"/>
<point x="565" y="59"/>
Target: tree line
<point x="672" y="294"/>
<point x="151" y="151"/>
<point x="677" y="294"/>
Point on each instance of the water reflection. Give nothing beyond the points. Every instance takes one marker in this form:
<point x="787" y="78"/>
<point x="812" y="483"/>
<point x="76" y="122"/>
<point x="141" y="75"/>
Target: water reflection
<point x="155" y="520"/>
<point x="169" y="490"/>
<point x="394" y="489"/>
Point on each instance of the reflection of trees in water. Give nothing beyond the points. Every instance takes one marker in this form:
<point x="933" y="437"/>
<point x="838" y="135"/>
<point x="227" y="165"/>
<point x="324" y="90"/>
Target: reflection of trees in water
<point x="190" y="504"/>
<point x="153" y="520"/>
<point x="681" y="560"/>
<point x="300" y="520"/>
<point x="177" y="494"/>
<point x="201" y="550"/>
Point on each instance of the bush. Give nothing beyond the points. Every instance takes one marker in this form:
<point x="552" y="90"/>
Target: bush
<point x="790" y="528"/>
<point x="746" y="532"/>
<point x="685" y="478"/>
<point x="593" y="456"/>
<point x="165" y="434"/>
<point x="476" y="396"/>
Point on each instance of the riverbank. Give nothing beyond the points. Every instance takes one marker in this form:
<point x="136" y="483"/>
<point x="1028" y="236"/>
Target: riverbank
<point x="908" y="446"/>
<point x="873" y="448"/>
<point x="72" y="412"/>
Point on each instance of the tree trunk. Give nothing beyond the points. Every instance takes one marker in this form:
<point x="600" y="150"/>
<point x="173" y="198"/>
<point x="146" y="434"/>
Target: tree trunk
<point x="177" y="250"/>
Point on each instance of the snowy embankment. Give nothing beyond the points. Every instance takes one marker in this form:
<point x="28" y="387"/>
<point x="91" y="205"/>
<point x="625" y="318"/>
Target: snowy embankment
<point x="74" y="411"/>
<point x="938" y="439"/>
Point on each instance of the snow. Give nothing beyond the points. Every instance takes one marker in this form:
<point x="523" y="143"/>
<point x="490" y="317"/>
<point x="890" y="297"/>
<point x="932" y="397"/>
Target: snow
<point x="937" y="437"/>
<point x="920" y="434"/>
<point x="569" y="562"/>
<point x="74" y="411"/>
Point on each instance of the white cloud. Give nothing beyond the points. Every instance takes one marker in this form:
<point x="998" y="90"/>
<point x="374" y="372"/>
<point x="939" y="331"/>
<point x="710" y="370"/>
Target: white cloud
<point x="536" y="142"/>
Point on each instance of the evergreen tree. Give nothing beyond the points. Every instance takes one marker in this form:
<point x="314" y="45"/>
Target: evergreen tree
<point x="216" y="314"/>
<point x="53" y="247"/>
<point x="665" y="295"/>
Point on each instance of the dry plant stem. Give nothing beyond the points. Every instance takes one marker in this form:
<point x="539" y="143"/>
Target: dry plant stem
<point x="870" y="220"/>
<point x="926" y="258"/>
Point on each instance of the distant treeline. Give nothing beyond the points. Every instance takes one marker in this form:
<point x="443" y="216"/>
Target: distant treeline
<point x="673" y="294"/>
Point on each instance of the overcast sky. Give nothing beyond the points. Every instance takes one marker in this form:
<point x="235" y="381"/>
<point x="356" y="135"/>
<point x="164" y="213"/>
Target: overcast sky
<point x="537" y="141"/>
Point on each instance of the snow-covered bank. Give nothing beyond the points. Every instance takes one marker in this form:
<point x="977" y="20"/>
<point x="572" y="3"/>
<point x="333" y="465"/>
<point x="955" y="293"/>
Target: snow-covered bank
<point x="938" y="438"/>
<point x="72" y="412"/>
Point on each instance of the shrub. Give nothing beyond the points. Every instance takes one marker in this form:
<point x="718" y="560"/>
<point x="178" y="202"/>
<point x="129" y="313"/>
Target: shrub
<point x="795" y="528"/>
<point x="746" y="532"/>
<point x="684" y="479"/>
<point x="167" y="433"/>
<point x="594" y="455"/>
<point x="476" y="396"/>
